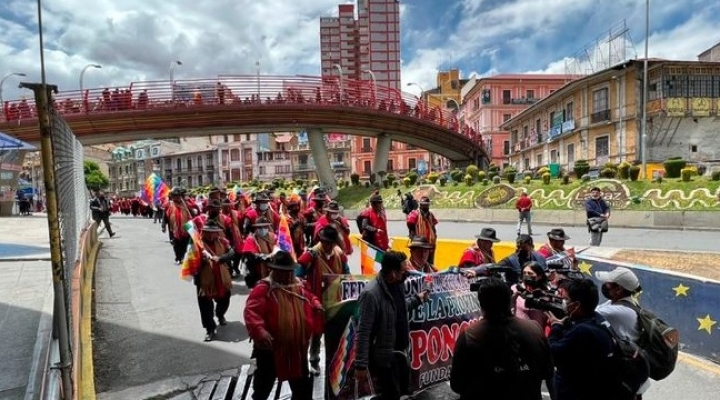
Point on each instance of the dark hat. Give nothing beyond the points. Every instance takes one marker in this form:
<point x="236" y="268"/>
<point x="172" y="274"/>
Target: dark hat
<point x="211" y="226"/>
<point x="282" y="260"/>
<point x="320" y="196"/>
<point x="420" y="242"/>
<point x="215" y="189"/>
<point x="488" y="234"/>
<point x="214" y="203"/>
<point x="424" y="201"/>
<point x="558" y="234"/>
<point x="262" y="197"/>
<point x="333" y="206"/>
<point x="376" y="198"/>
<point x="318" y="190"/>
<point x="329" y="234"/>
<point x="176" y="192"/>
<point x="524" y="238"/>
<point x="262" y="221"/>
<point x="595" y="188"/>
<point x="227" y="202"/>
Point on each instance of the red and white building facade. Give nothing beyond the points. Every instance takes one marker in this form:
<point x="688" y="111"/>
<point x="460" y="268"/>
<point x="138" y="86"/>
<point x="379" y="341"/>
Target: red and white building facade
<point x="489" y="102"/>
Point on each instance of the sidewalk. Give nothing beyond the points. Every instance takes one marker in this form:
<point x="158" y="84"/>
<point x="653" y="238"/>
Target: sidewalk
<point x="26" y="304"/>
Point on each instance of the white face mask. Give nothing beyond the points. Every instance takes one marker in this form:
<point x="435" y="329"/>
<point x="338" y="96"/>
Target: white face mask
<point x="334" y="216"/>
<point x="263" y="231"/>
<point x="263" y="206"/>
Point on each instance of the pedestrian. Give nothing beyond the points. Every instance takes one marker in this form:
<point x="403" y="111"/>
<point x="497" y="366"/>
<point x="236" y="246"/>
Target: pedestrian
<point x="582" y="349"/>
<point x="281" y="316"/>
<point x="213" y="280"/>
<point x="373" y="224"/>
<point x="422" y="222"/>
<point x="177" y="215"/>
<point x="100" y="207"/>
<point x="524" y="207"/>
<point x="324" y="258"/>
<point x="333" y="217"/>
<point x="500" y="356"/>
<point x="598" y="214"/>
<point x="383" y="332"/>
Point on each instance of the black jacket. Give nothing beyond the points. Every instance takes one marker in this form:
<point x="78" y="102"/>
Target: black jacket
<point x="501" y="360"/>
<point x="100" y="207"/>
<point x="377" y="333"/>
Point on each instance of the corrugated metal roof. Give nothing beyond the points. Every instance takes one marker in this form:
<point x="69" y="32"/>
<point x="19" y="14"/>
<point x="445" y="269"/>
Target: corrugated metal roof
<point x="8" y="142"/>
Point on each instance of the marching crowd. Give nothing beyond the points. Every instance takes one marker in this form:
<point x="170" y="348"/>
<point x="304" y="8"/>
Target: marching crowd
<point x="542" y="319"/>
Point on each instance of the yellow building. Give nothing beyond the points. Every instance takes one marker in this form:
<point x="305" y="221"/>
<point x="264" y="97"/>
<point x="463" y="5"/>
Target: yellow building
<point x="447" y="94"/>
<point x="597" y="117"/>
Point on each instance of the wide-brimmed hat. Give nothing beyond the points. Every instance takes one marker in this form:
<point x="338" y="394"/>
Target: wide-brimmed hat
<point x="558" y="234"/>
<point x="623" y="277"/>
<point x="214" y="203"/>
<point x="376" y="198"/>
<point x="420" y="242"/>
<point x="319" y="196"/>
<point x="261" y="222"/>
<point x="211" y="226"/>
<point x="488" y="234"/>
<point x="333" y="206"/>
<point x="227" y="202"/>
<point x="214" y="189"/>
<point x="260" y="198"/>
<point x="282" y="260"/>
<point x="424" y="201"/>
<point x="524" y="238"/>
<point x="178" y="191"/>
<point x="329" y="234"/>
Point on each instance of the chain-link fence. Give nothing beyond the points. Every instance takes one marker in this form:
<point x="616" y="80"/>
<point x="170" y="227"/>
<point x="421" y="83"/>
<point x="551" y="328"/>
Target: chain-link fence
<point x="72" y="195"/>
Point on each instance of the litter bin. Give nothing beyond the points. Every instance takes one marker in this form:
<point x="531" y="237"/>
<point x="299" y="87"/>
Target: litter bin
<point x="554" y="170"/>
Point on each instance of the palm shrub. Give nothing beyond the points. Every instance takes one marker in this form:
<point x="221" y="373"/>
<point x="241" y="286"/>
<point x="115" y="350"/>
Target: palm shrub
<point x="496" y="179"/>
<point x="687" y="174"/>
<point x="527" y="179"/>
<point x="481" y="175"/>
<point x="608" y="173"/>
<point x="391" y="178"/>
<point x="413" y="176"/>
<point x="468" y="179"/>
<point x="472" y="170"/>
<point x="673" y="167"/>
<point x="634" y="173"/>
<point x="433" y="177"/>
<point x="442" y="181"/>
<point x="581" y="168"/>
<point x="407" y="182"/>
<point x="355" y="178"/>
<point x="715" y="176"/>
<point x="546" y="178"/>
<point x="510" y="173"/>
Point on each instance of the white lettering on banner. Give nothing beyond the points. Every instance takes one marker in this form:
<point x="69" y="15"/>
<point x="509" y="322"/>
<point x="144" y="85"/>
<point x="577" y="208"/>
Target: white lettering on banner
<point x="433" y="376"/>
<point x="351" y="289"/>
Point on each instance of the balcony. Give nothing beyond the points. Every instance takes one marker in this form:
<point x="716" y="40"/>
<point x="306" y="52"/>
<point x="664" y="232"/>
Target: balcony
<point x="522" y="100"/>
<point x="305" y="167"/>
<point x="338" y="165"/>
<point x="600" y="116"/>
<point x="209" y="167"/>
<point x="366" y="150"/>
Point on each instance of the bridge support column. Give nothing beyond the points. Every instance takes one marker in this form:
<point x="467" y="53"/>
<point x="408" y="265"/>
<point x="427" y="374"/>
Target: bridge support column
<point x="319" y="151"/>
<point x="382" y="152"/>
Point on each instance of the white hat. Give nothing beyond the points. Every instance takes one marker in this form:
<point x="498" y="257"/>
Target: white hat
<point x="621" y="276"/>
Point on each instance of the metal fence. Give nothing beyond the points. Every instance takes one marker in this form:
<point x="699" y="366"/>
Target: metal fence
<point x="72" y="194"/>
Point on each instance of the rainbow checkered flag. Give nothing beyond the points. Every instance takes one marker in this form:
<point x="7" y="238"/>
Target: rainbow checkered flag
<point x="193" y="256"/>
<point x="284" y="238"/>
<point x="342" y="361"/>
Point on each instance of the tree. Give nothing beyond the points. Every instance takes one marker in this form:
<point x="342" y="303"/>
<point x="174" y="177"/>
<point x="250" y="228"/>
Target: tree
<point x="94" y="178"/>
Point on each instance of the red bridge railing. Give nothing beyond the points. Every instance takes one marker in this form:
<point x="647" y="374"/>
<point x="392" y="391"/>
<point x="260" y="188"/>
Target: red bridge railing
<point x="240" y="90"/>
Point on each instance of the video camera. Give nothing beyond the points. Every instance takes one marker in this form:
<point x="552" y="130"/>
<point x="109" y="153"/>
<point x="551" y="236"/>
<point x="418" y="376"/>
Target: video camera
<point x="542" y="299"/>
<point x="490" y="271"/>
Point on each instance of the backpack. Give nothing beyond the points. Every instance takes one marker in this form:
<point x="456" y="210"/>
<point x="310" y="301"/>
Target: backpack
<point x="658" y="341"/>
<point x="629" y="363"/>
<point x="409" y="204"/>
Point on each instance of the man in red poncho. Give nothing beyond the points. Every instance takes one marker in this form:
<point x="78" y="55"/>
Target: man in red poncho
<point x="333" y="218"/>
<point x="281" y="315"/>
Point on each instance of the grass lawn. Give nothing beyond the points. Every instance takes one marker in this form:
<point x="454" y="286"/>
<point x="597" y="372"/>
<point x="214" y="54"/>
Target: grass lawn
<point x="700" y="194"/>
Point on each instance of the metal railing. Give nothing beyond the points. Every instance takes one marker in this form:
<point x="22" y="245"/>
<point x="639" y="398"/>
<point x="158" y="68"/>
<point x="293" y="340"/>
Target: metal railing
<point x="238" y="91"/>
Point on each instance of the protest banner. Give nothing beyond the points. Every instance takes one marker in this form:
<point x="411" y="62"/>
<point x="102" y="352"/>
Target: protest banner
<point x="434" y="327"/>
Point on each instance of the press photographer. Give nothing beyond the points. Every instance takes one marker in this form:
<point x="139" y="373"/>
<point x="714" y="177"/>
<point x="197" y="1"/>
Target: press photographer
<point x="476" y="275"/>
<point x="534" y="296"/>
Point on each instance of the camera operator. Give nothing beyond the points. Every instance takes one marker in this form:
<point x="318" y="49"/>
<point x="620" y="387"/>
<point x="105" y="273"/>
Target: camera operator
<point x="534" y="288"/>
<point x="524" y="253"/>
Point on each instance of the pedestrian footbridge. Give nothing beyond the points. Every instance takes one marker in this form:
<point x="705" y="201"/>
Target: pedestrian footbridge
<point x="247" y="104"/>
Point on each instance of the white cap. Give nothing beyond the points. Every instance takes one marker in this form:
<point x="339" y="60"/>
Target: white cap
<point x="621" y="276"/>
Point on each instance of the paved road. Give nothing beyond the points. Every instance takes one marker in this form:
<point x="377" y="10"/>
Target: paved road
<point x="616" y="237"/>
<point x="148" y="331"/>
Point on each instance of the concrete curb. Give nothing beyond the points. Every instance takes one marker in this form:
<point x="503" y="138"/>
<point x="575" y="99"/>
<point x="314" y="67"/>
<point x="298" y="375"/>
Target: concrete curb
<point x="86" y="344"/>
<point x="41" y="353"/>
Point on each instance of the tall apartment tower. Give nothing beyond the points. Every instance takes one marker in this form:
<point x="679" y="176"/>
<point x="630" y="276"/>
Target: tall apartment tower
<point x="368" y="41"/>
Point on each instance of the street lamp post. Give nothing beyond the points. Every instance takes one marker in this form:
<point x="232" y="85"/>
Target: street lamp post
<point x="422" y="91"/>
<point x="2" y="82"/>
<point x="82" y="75"/>
<point x="172" y="77"/>
<point x="643" y="121"/>
<point x="340" y="72"/>
<point x="257" y="66"/>
<point x="374" y="87"/>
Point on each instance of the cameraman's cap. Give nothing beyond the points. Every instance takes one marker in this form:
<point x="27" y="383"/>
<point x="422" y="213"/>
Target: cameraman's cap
<point x="621" y="276"/>
<point x="558" y="234"/>
<point x="488" y="234"/>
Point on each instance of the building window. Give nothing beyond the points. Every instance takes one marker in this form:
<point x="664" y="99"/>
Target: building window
<point x="571" y="153"/>
<point x="601" y="107"/>
<point x="235" y="155"/>
<point x="190" y="181"/>
<point x="261" y="170"/>
<point x="367" y="168"/>
<point x="538" y="126"/>
<point x="553" y="156"/>
<point x="529" y="94"/>
<point x="507" y="117"/>
<point x="506" y="147"/>
<point x="602" y="147"/>
<point x="390" y="166"/>
<point x="200" y="180"/>
<point x="569" y="107"/>
<point x="539" y="159"/>
<point x="412" y="163"/>
<point x="178" y="164"/>
<point x="485" y="98"/>
<point x="236" y="137"/>
<point x="507" y="96"/>
<point x="366" y="145"/>
<point x="693" y="148"/>
<point x="247" y="137"/>
<point x="225" y="138"/>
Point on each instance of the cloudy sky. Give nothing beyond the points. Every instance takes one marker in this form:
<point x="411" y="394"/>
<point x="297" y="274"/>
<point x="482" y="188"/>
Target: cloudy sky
<point x="138" y="39"/>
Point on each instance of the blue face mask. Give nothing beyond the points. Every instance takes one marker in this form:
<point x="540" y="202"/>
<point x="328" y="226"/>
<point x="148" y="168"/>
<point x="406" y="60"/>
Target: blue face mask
<point x="263" y="231"/>
<point x="263" y="206"/>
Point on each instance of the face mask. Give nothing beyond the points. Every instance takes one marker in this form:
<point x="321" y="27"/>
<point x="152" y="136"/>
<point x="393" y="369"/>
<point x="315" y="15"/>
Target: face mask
<point x="425" y="208"/>
<point x="530" y="282"/>
<point x="263" y="206"/>
<point x="605" y="290"/>
<point x="334" y="216"/>
<point x="319" y="204"/>
<point x="263" y="231"/>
